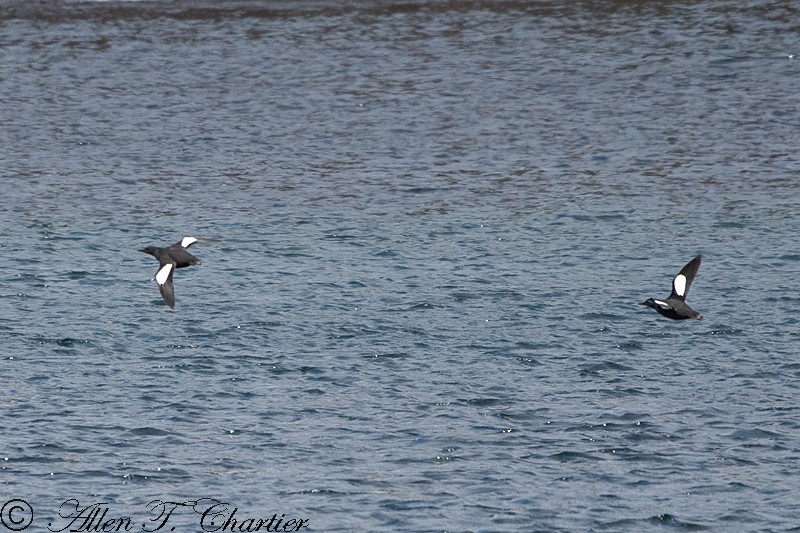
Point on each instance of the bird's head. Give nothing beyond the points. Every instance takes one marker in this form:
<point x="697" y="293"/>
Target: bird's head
<point x="649" y="303"/>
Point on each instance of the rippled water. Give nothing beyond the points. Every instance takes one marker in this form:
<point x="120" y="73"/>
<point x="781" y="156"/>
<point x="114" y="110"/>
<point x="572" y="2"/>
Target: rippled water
<point x="429" y="228"/>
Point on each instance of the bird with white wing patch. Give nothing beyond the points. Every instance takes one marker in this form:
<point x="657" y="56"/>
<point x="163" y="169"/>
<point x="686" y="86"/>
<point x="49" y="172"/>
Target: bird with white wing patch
<point x="675" y="306"/>
<point x="170" y="258"/>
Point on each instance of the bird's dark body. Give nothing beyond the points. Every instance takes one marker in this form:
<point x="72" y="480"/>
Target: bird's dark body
<point x="677" y="310"/>
<point x="176" y="254"/>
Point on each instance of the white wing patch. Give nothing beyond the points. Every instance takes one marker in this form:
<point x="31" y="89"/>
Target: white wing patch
<point x="662" y="305"/>
<point x="163" y="274"/>
<point x="188" y="241"/>
<point x="680" y="284"/>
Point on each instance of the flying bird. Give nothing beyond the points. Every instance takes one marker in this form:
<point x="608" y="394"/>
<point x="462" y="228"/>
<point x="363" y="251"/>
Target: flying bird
<point x="675" y="306"/>
<point x="169" y="259"/>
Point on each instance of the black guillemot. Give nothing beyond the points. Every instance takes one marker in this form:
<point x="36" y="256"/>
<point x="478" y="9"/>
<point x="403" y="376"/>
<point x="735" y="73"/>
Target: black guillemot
<point x="169" y="259"/>
<point x="675" y="307"/>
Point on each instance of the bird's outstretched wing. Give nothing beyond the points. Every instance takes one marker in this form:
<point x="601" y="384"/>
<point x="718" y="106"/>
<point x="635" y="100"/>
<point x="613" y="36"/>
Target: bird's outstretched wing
<point x="682" y="282"/>
<point x="165" y="286"/>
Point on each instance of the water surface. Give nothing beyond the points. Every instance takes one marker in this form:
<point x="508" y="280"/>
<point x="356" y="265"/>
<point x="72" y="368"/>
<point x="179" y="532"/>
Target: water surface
<point x="433" y="228"/>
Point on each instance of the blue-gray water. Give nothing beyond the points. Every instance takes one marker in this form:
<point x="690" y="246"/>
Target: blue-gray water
<point x="432" y="230"/>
